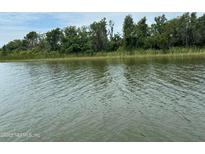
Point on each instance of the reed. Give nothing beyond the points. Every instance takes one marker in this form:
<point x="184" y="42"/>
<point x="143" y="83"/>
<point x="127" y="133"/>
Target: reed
<point x="139" y="53"/>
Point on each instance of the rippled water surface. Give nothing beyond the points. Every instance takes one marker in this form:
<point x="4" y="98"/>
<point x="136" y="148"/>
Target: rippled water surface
<point x="103" y="100"/>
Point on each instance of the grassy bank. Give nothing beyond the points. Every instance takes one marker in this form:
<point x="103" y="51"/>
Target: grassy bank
<point x="34" y="56"/>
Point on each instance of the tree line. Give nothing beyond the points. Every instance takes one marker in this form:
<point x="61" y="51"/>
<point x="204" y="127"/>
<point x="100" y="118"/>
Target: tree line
<point x="186" y="30"/>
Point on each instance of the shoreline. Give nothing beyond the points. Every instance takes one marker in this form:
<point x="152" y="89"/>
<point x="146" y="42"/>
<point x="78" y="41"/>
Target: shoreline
<point x="110" y="56"/>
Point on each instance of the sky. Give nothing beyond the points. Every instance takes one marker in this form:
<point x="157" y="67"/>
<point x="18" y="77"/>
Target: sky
<point x="17" y="25"/>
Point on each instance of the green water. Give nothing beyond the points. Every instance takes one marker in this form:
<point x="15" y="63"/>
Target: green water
<point x="103" y="100"/>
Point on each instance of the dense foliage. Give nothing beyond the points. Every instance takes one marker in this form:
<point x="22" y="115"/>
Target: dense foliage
<point x="187" y="30"/>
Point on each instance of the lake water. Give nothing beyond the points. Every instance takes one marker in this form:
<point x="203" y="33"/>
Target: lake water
<point x="103" y="100"/>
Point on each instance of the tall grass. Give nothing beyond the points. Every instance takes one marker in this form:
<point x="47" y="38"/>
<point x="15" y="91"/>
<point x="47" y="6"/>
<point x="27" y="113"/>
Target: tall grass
<point x="121" y="53"/>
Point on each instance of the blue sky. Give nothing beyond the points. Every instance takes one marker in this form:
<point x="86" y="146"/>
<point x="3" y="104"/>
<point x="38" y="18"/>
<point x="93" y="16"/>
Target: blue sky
<point x="17" y="25"/>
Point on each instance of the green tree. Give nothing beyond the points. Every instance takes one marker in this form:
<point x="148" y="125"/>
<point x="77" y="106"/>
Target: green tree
<point x="193" y="29"/>
<point x="76" y="40"/>
<point x="200" y="31"/>
<point x="15" y="45"/>
<point x="32" y="39"/>
<point x="141" y="33"/>
<point x="85" y="40"/>
<point x="99" y="35"/>
<point x="128" y="28"/>
<point x="70" y="40"/>
<point x="54" y="38"/>
<point x="115" y="42"/>
<point x="159" y="35"/>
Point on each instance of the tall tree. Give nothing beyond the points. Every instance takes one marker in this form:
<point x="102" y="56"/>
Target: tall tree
<point x="76" y="40"/>
<point x="32" y="39"/>
<point x="54" y="38"/>
<point x="141" y="33"/>
<point x="85" y="40"/>
<point x="159" y="35"/>
<point x="200" y="31"/>
<point x="99" y="35"/>
<point x="128" y="28"/>
<point x="70" y="40"/>
<point x="115" y="42"/>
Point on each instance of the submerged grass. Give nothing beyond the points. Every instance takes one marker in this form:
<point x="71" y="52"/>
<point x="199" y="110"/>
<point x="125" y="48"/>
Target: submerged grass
<point x="140" y="53"/>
